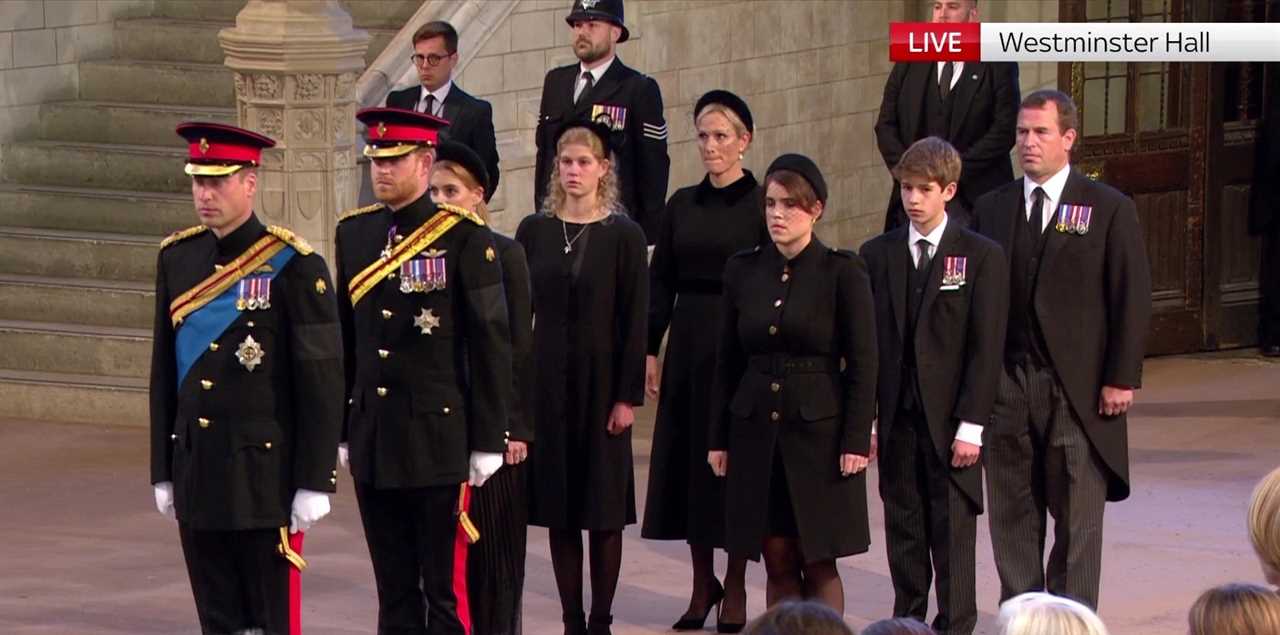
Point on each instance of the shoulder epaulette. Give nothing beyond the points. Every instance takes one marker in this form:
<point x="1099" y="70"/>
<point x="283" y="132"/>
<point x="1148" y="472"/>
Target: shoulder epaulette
<point x="841" y="252"/>
<point x="465" y="213"/>
<point x="747" y="252"/>
<point x="297" y="242"/>
<point x="358" y="211"/>
<point x="182" y="234"/>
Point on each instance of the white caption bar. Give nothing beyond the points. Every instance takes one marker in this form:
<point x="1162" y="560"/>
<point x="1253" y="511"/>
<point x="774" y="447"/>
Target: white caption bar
<point x="1130" y="42"/>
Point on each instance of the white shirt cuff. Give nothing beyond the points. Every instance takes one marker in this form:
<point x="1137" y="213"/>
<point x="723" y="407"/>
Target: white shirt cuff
<point x="969" y="433"/>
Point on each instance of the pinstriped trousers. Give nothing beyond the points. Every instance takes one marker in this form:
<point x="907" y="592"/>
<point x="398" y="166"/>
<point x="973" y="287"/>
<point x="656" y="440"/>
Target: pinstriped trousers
<point x="926" y="514"/>
<point x="1038" y="459"/>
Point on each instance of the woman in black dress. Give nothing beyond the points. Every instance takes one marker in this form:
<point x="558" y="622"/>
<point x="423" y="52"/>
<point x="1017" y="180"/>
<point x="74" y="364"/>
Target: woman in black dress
<point x="500" y="509"/>
<point x="794" y="395"/>
<point x="703" y="226"/>
<point x="590" y="294"/>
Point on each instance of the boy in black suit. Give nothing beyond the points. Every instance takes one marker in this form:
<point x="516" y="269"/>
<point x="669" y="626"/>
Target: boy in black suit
<point x="435" y="54"/>
<point x="941" y="294"/>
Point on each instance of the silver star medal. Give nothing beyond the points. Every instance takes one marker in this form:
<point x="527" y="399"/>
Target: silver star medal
<point x="426" y="321"/>
<point x="250" y="353"/>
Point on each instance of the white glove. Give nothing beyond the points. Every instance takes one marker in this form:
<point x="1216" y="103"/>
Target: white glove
<point x="344" y="455"/>
<point x="308" y="507"/>
<point x="164" y="499"/>
<point x="484" y="465"/>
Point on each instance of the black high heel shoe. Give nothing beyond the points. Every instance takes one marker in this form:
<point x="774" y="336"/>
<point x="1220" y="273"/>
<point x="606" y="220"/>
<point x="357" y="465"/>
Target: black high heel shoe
<point x="695" y="623"/>
<point x="727" y="627"/>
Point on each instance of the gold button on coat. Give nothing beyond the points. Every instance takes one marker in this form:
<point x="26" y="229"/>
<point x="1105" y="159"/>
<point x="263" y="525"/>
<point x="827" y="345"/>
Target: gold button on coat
<point x="213" y="346"/>
<point x="206" y="384"/>
<point x="775" y="415"/>
<point x="267" y="445"/>
<point x="777" y="303"/>
<point x="384" y="353"/>
<point x="386" y="314"/>
<point x="204" y="423"/>
<point x="382" y="392"/>
<point x="773" y="329"/>
<point x="775" y="386"/>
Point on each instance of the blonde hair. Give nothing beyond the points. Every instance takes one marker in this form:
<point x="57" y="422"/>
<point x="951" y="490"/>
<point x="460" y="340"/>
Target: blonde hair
<point x="1046" y="614"/>
<point x="1235" y="609"/>
<point x="734" y="120"/>
<point x="468" y="179"/>
<point x="1264" y="523"/>
<point x="607" y="196"/>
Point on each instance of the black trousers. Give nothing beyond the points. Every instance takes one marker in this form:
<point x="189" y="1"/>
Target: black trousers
<point x="1038" y="459"/>
<point x="413" y="541"/>
<point x="239" y="580"/>
<point x="926" y="514"/>
<point x="495" y="568"/>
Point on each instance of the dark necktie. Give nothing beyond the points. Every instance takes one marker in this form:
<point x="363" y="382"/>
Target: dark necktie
<point x="922" y="258"/>
<point x="1036" y="220"/>
<point x="430" y="108"/>
<point x="944" y="83"/>
<point x="586" y="88"/>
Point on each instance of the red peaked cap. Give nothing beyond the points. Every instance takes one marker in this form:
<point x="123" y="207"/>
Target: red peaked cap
<point x="394" y="132"/>
<point x="216" y="149"/>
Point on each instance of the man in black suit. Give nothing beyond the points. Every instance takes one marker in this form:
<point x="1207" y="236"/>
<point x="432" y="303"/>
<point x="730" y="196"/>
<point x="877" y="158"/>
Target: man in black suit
<point x="942" y="297"/>
<point x="1079" y="308"/>
<point x="435" y="54"/>
<point x="970" y="104"/>
<point x="1264" y="218"/>
<point x="601" y="88"/>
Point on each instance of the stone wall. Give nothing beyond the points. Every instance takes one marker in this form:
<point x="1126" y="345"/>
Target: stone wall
<point x="811" y="70"/>
<point x="40" y="43"/>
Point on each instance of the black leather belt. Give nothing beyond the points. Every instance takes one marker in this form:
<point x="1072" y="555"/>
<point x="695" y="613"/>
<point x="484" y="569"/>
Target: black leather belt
<point x="782" y="364"/>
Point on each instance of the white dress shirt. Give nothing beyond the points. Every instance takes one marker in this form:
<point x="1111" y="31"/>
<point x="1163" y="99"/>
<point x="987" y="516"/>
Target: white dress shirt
<point x="955" y="73"/>
<point x="968" y="432"/>
<point x="440" y="94"/>
<point x="1053" y="194"/>
<point x="596" y="74"/>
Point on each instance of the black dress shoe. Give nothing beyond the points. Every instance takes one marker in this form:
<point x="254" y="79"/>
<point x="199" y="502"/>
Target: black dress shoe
<point x="695" y="623"/>
<point x="1271" y="350"/>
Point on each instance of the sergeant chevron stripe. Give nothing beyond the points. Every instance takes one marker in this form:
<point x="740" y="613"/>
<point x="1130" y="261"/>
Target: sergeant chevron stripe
<point x="657" y="133"/>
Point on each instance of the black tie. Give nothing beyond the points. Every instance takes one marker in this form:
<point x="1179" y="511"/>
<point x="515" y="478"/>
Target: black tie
<point x="944" y="84"/>
<point x="586" y="88"/>
<point x="922" y="258"/>
<point x="1036" y="220"/>
<point x="430" y="108"/>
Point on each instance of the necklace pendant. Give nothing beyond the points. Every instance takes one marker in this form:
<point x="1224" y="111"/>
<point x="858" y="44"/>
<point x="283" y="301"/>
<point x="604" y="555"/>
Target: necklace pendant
<point x="568" y="248"/>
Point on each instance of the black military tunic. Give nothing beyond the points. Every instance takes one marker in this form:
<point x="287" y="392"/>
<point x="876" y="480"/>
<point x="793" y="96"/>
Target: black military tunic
<point x="629" y="102"/>
<point x="430" y="372"/>
<point x="237" y="443"/>
<point x="255" y="418"/>
<point x="784" y="409"/>
<point x="702" y="227"/>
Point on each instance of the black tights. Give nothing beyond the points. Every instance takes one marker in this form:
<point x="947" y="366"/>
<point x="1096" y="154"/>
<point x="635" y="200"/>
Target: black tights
<point x="790" y="577"/>
<point x="606" y="562"/>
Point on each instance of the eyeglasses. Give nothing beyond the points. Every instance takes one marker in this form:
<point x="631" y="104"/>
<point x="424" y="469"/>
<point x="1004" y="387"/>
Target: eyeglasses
<point x="431" y="60"/>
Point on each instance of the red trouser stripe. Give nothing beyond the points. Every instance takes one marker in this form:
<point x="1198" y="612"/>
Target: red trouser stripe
<point x="295" y="588"/>
<point x="460" y="545"/>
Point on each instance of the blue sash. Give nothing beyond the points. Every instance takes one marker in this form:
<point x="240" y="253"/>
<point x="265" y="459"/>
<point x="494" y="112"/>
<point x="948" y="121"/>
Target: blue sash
<point x="207" y="323"/>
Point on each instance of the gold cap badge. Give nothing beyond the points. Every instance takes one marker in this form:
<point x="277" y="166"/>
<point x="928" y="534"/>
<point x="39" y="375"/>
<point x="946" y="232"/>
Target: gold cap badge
<point x="382" y="129"/>
<point x="204" y="145"/>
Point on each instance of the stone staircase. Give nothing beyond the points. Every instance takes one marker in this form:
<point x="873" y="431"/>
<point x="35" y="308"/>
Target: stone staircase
<point x="85" y="199"/>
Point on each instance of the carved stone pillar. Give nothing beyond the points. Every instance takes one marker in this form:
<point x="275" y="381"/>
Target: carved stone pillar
<point x="296" y="63"/>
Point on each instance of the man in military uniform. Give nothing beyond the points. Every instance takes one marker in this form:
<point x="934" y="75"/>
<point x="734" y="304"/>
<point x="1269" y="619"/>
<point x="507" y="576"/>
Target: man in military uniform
<point x="246" y="411"/>
<point x="424" y="321"/>
<point x="601" y="88"/>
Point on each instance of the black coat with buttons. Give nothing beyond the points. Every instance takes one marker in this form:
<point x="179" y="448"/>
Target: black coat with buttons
<point x="238" y="443"/>
<point x="795" y="387"/>
<point x="421" y="399"/>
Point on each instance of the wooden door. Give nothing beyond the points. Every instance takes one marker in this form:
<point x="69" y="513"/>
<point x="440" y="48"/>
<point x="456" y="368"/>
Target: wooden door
<point x="1143" y="130"/>
<point x="1239" y="93"/>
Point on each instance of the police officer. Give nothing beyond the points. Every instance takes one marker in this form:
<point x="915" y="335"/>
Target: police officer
<point x="424" y="321"/>
<point x="601" y="88"/>
<point x="246" y="371"/>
